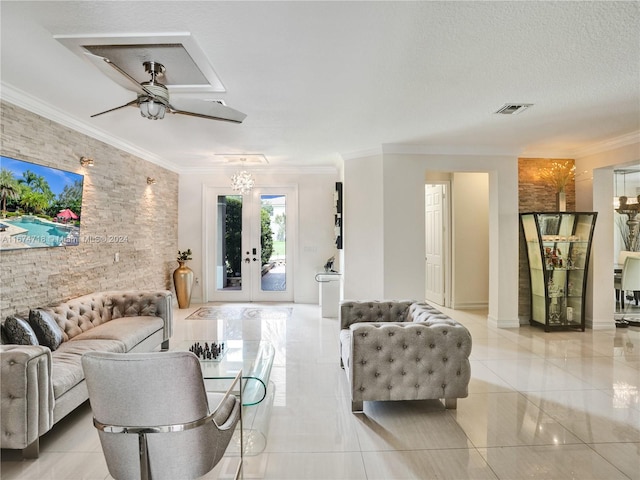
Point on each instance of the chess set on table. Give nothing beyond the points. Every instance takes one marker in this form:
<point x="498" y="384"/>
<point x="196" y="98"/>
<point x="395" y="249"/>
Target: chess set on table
<point x="209" y="351"/>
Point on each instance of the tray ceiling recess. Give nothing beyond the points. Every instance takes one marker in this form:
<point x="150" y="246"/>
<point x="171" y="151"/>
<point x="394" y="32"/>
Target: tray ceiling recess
<point x="188" y="69"/>
<point x="246" y="159"/>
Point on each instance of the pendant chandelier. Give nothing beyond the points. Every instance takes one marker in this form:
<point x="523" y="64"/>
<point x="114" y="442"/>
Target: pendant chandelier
<point x="242" y="182"/>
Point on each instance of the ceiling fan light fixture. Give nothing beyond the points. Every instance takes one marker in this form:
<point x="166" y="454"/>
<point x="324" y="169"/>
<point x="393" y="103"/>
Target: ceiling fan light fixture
<point x="153" y="97"/>
<point x="151" y="109"/>
<point x="242" y="182"/>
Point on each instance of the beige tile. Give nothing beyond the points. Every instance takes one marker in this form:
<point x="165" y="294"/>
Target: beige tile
<point x="592" y="415"/>
<point x="454" y="464"/>
<point x="632" y="361"/>
<point x="56" y="466"/>
<point x="315" y="466"/>
<point x="550" y="462"/>
<point x="315" y="380"/>
<point x="617" y="342"/>
<point x="535" y="374"/>
<point x="600" y="372"/>
<point x="312" y="424"/>
<point x="407" y="426"/>
<point x="74" y="433"/>
<point x="625" y="456"/>
<point x="499" y="348"/>
<point x="537" y="396"/>
<point x="252" y="468"/>
<point x="506" y="419"/>
<point x="483" y="380"/>
<point x="557" y="347"/>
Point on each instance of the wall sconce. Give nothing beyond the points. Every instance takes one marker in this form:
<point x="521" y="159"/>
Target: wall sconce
<point x="86" y="161"/>
<point x="151" y="181"/>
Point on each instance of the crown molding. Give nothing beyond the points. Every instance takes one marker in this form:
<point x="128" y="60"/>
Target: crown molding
<point x="606" y="145"/>
<point x="256" y="170"/>
<point x="553" y="153"/>
<point x="21" y="99"/>
<point x="408" y="149"/>
<point x="372" y="152"/>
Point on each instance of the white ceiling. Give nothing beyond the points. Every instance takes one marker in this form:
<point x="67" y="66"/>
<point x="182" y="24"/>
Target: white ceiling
<point x="320" y="80"/>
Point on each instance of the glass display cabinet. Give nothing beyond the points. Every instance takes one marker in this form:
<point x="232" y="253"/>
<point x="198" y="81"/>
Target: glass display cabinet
<point x="558" y="250"/>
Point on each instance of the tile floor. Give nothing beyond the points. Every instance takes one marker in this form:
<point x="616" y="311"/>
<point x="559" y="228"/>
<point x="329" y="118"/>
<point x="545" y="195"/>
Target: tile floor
<point x="561" y="405"/>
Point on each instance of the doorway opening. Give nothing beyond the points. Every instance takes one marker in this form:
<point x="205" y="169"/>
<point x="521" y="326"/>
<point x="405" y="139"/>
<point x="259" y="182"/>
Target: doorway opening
<point x="457" y="239"/>
<point x="249" y="243"/>
<point x="626" y="242"/>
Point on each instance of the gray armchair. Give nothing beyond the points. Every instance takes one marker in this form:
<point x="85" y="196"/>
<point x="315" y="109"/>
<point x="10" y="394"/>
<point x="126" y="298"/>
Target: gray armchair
<point x="403" y="350"/>
<point x="154" y="417"/>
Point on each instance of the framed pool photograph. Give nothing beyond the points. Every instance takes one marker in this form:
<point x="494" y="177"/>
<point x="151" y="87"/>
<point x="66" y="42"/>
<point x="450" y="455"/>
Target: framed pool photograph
<point x="39" y="206"/>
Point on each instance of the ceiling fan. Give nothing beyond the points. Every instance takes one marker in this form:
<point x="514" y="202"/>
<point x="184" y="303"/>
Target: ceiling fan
<point x="153" y="96"/>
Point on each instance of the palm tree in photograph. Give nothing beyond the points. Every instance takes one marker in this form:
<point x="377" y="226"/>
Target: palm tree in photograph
<point x="9" y="189"/>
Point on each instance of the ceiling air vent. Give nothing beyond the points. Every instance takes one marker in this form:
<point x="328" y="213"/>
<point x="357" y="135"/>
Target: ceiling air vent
<point x="513" y="108"/>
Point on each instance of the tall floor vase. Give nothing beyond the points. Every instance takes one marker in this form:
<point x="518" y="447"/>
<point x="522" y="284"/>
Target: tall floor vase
<point x="182" y="281"/>
<point x="561" y="201"/>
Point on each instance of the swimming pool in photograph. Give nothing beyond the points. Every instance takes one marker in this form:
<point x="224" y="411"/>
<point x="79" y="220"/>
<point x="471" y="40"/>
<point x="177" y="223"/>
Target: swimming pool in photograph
<point x="36" y="232"/>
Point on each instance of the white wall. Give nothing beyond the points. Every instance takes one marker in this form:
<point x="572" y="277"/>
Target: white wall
<point x="470" y="239"/>
<point x="315" y="222"/>
<point x="399" y="194"/>
<point x="594" y="192"/>
<point x="402" y="242"/>
<point x="363" y="229"/>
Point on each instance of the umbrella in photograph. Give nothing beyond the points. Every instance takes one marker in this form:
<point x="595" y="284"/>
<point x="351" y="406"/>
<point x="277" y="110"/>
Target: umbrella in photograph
<point x="67" y="214"/>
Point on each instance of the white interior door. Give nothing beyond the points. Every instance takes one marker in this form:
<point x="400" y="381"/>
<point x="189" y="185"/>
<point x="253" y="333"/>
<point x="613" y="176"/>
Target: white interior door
<point x="435" y="243"/>
<point x="249" y="242"/>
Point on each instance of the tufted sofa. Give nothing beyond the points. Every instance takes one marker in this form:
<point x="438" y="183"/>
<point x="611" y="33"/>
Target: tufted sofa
<point x="403" y="350"/>
<point x="41" y="386"/>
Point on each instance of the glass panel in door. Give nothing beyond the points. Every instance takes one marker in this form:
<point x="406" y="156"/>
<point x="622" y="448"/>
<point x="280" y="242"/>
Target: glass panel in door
<point x="273" y="243"/>
<point x="229" y="260"/>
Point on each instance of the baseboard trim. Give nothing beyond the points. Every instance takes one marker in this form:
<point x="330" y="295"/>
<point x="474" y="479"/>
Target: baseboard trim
<point x="470" y="306"/>
<point x="513" y="323"/>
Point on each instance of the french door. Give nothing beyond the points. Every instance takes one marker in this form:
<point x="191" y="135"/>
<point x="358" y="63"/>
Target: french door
<point x="249" y="244"/>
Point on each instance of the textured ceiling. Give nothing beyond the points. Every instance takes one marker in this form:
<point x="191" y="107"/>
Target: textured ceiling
<point x="320" y="80"/>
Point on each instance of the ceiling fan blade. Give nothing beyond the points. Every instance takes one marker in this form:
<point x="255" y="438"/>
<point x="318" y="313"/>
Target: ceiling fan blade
<point x="205" y="109"/>
<point x="111" y="70"/>
<point x="133" y="103"/>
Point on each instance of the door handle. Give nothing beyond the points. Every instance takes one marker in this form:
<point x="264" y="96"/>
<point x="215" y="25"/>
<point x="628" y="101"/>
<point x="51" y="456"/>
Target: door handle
<point x="247" y="260"/>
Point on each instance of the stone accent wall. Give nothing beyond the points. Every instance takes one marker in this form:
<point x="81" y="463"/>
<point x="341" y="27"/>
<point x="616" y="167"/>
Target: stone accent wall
<point x="121" y="215"/>
<point x="534" y="195"/>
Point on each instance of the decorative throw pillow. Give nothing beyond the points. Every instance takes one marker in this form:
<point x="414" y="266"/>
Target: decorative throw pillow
<point x="4" y="340"/>
<point x="46" y="328"/>
<point x="19" y="332"/>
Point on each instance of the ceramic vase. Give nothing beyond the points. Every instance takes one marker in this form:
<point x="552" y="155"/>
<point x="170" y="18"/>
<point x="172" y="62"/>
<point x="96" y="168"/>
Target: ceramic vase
<point x="182" y="281"/>
<point x="561" y="201"/>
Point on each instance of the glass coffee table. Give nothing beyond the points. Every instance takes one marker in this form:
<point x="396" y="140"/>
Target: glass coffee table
<point x="255" y="359"/>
